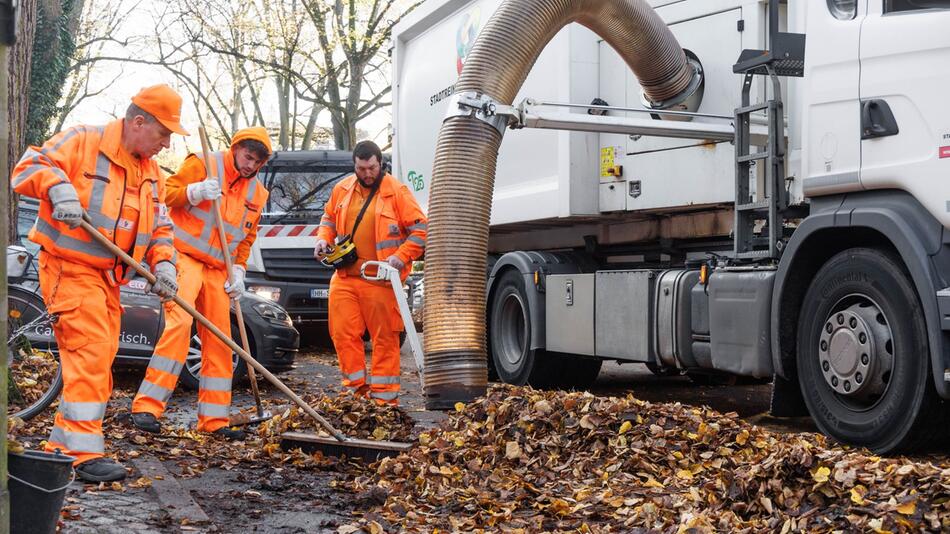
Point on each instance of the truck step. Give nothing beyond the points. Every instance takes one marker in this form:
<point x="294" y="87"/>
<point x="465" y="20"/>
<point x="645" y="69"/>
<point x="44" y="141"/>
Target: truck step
<point x="752" y="108"/>
<point x="753" y="254"/>
<point x="751" y="157"/>
<point x="754" y="206"/>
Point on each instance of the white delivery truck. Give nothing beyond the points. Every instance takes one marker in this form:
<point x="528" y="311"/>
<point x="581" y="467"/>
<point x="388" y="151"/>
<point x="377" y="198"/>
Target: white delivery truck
<point x="791" y="220"/>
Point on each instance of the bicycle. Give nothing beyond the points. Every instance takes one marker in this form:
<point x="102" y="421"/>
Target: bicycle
<point x="34" y="378"/>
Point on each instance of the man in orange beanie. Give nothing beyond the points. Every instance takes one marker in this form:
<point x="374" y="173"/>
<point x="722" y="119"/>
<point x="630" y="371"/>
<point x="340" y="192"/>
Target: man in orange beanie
<point x="202" y="277"/>
<point x="108" y="173"/>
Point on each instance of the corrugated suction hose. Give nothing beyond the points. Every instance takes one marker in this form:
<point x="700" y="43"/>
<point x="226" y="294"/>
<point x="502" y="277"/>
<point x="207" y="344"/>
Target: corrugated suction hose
<point x="456" y="367"/>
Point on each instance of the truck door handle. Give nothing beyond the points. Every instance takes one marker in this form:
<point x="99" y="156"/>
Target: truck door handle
<point x="877" y="120"/>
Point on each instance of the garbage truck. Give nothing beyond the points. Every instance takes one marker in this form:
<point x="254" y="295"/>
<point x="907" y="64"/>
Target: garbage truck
<point x="787" y="218"/>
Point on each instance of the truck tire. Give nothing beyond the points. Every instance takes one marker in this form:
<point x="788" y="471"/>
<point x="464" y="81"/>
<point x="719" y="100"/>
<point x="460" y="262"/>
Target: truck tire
<point x="863" y="359"/>
<point x="510" y="334"/>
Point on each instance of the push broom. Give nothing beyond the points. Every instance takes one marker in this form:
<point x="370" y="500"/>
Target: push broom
<point x="338" y="445"/>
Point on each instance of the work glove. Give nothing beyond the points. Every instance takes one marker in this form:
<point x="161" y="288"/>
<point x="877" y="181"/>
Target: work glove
<point x="235" y="289"/>
<point x="208" y="189"/>
<point x="166" y="283"/>
<point x="395" y="262"/>
<point x="321" y="249"/>
<point x="66" y="206"/>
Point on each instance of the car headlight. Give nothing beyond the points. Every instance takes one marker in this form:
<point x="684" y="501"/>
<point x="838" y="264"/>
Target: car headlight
<point x="273" y="313"/>
<point x="266" y="292"/>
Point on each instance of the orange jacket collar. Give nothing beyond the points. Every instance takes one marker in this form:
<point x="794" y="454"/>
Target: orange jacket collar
<point x="386" y="188"/>
<point x="111" y="143"/>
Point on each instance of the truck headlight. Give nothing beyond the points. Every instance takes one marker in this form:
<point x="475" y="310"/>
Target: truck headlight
<point x="266" y="292"/>
<point x="272" y="313"/>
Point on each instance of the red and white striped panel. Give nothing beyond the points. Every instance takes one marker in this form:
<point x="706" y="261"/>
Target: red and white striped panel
<point x="289" y="230"/>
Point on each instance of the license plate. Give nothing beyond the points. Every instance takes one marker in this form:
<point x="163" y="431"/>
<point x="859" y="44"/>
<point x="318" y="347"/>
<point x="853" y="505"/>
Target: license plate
<point x="319" y="293"/>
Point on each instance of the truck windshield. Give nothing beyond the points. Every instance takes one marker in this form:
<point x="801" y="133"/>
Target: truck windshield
<point x="300" y="183"/>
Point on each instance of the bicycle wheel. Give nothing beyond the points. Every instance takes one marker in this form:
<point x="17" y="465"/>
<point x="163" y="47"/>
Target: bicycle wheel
<point x="35" y="378"/>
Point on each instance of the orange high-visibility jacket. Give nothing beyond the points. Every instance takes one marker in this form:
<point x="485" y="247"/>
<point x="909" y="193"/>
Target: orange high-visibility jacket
<point x="88" y="158"/>
<point x="242" y="200"/>
<point x="400" y="223"/>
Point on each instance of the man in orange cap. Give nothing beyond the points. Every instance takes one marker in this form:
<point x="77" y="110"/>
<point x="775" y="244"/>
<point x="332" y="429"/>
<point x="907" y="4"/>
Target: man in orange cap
<point x="395" y="232"/>
<point x="202" y="278"/>
<point x="106" y="172"/>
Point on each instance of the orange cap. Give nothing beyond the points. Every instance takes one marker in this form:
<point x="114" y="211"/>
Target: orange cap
<point x="256" y="133"/>
<point x="163" y="103"/>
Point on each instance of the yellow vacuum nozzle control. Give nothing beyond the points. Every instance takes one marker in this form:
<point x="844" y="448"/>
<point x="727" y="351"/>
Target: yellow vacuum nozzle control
<point x="340" y="255"/>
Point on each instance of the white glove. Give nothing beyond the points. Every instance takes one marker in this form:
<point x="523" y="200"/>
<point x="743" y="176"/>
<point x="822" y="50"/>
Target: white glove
<point x="208" y="189"/>
<point x="166" y="283"/>
<point x="66" y="206"/>
<point x="395" y="262"/>
<point x="321" y="249"/>
<point x="236" y="289"/>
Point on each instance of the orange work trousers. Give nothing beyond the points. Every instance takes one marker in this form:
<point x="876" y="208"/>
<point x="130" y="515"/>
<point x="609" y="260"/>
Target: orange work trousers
<point x="87" y="335"/>
<point x="357" y="305"/>
<point x="201" y="286"/>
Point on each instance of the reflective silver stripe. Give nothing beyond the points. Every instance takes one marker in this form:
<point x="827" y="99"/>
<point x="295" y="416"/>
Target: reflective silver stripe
<point x="389" y="243"/>
<point x="209" y="383"/>
<point x="213" y="410"/>
<point x="251" y="189"/>
<point x="37" y="167"/>
<point x="383" y="380"/>
<point x="103" y="166"/>
<point x="91" y="248"/>
<point x="30" y="153"/>
<point x="328" y="224"/>
<point x="168" y="365"/>
<point x="384" y="395"/>
<point x="417" y="240"/>
<point x="82" y="411"/>
<point x="78" y="441"/>
<point x="355" y="376"/>
<point x="203" y="247"/>
<point x="148" y="389"/>
<point x="414" y="227"/>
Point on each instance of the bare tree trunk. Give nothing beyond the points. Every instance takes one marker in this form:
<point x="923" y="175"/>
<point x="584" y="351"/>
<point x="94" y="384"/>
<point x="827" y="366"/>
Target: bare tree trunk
<point x="20" y="59"/>
<point x="311" y="126"/>
<point x="283" y="100"/>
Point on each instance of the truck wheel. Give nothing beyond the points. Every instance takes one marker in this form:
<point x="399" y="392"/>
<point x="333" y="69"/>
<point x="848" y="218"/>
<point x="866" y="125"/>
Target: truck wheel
<point x="510" y="335"/>
<point x="863" y="357"/>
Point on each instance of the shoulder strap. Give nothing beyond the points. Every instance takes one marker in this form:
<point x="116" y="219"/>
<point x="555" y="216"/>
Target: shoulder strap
<point x="369" y="199"/>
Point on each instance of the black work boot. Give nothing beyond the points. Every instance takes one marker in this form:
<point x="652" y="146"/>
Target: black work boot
<point x="146" y="422"/>
<point x="230" y="434"/>
<point x="100" y="470"/>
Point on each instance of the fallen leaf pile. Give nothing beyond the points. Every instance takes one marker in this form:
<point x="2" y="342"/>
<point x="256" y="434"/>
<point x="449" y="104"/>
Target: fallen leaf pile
<point x="355" y="417"/>
<point x="534" y="461"/>
<point x="33" y="371"/>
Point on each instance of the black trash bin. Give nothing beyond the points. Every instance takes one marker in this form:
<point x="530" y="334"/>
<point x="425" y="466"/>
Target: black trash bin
<point x="38" y="482"/>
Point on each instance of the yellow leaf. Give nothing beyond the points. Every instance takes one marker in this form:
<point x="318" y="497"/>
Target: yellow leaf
<point x="857" y="494"/>
<point x="459" y="406"/>
<point x="639" y="419"/>
<point x="908" y="508"/>
<point x="512" y="450"/>
<point x="743" y="437"/>
<point x="459" y="442"/>
<point x="821" y="474"/>
<point x="652" y="483"/>
<point x="424" y="439"/>
<point x="684" y="474"/>
<point x="625" y="427"/>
